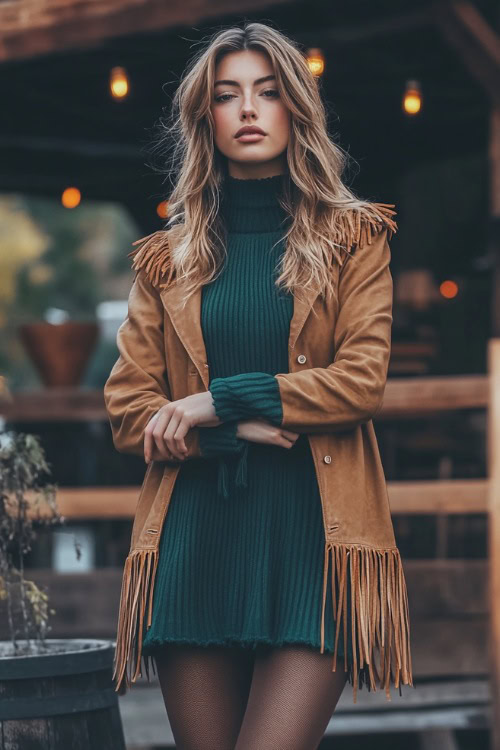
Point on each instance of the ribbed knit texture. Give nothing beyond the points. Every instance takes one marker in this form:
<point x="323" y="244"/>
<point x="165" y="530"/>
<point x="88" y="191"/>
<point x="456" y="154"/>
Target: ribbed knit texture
<point x="244" y="565"/>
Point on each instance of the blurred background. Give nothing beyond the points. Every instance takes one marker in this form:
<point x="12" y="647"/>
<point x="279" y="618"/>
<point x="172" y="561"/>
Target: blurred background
<point x="412" y="91"/>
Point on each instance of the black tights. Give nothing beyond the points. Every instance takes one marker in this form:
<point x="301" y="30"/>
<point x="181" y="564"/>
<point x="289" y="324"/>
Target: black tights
<point x="234" y="698"/>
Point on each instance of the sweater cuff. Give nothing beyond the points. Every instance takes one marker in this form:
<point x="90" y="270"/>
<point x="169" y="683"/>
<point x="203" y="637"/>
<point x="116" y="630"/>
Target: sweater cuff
<point x="220" y="440"/>
<point x="247" y="396"/>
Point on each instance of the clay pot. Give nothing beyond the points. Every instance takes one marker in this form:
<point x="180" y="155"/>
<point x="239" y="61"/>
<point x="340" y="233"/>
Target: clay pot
<point x="60" y="352"/>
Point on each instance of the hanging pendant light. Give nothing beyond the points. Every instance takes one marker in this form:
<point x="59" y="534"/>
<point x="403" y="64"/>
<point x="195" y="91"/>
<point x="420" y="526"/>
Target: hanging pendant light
<point x="412" y="99"/>
<point x="119" y="82"/>
<point x="315" y="60"/>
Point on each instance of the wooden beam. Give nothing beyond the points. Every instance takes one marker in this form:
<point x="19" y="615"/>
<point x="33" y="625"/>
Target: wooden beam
<point x="431" y="497"/>
<point x="102" y="503"/>
<point x="475" y="41"/>
<point x="408" y="498"/>
<point x="88" y="503"/>
<point x="56" y="405"/>
<point x="493" y="451"/>
<point x="31" y="28"/>
<point x="435" y="394"/>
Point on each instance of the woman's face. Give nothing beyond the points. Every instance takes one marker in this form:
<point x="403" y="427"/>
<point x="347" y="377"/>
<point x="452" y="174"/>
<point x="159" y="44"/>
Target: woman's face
<point x="242" y="98"/>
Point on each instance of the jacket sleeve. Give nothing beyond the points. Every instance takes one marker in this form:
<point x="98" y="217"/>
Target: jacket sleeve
<point x="137" y="386"/>
<point x="350" y="390"/>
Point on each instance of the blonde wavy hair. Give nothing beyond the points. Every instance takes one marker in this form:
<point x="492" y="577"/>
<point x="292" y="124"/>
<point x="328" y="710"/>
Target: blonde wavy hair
<point x="327" y="218"/>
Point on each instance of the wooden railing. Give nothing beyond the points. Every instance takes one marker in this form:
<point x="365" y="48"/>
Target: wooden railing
<point x="493" y="448"/>
<point x="404" y="397"/>
<point x="415" y="498"/>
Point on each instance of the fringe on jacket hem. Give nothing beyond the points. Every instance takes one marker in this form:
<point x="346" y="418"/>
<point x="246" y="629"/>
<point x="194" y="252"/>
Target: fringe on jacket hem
<point x="137" y="584"/>
<point x="379" y="615"/>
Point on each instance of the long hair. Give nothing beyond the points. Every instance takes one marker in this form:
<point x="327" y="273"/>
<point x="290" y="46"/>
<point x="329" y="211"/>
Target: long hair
<point x="325" y="215"/>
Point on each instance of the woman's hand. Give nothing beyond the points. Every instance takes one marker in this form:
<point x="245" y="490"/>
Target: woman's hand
<point x="167" y="428"/>
<point x="261" y="431"/>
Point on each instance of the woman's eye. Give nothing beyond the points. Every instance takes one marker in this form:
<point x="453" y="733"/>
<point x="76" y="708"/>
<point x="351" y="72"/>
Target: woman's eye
<point x="268" y="94"/>
<point x="220" y="98"/>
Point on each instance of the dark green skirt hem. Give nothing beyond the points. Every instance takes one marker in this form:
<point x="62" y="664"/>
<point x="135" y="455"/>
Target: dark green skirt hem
<point x="154" y="644"/>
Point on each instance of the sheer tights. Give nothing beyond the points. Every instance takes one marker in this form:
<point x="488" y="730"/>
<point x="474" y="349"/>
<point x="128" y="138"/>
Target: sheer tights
<point x="233" y="698"/>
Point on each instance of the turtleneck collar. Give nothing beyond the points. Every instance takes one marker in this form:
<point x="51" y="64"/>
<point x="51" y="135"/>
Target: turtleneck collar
<point x="252" y="205"/>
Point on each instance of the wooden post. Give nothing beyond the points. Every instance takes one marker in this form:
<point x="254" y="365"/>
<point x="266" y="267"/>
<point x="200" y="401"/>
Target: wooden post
<point x="494" y="426"/>
<point x="494" y="534"/>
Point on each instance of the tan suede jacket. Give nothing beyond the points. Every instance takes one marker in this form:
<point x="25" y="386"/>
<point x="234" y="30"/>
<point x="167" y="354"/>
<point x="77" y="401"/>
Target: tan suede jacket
<point x="338" y="360"/>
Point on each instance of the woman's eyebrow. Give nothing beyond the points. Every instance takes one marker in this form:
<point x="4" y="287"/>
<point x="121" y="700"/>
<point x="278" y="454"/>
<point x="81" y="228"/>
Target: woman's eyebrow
<point x="235" y="83"/>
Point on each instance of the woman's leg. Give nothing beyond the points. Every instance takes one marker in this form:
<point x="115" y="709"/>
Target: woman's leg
<point x="205" y="690"/>
<point x="292" y="697"/>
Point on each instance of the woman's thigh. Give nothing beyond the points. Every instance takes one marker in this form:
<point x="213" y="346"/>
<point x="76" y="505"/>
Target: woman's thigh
<point x="205" y="690"/>
<point x="292" y="698"/>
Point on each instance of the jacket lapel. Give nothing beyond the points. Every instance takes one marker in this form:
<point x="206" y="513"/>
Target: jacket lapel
<point x="187" y="322"/>
<point x="302" y="304"/>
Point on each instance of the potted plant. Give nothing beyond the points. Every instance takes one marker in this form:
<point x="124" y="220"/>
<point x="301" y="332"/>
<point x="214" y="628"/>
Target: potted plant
<point x="55" y="308"/>
<point x="51" y="688"/>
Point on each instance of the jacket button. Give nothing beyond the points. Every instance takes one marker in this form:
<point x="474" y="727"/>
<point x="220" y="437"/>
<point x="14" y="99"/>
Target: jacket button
<point x="301" y="358"/>
<point x="327" y="459"/>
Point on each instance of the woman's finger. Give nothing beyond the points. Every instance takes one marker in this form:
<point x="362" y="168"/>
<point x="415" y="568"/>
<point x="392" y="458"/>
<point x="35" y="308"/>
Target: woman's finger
<point x="290" y="435"/>
<point x="168" y="435"/>
<point x="158" y="431"/>
<point x="148" y="438"/>
<point x="164" y="436"/>
<point x="180" y="435"/>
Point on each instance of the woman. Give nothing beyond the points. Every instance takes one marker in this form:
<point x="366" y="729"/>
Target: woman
<point x="253" y="357"/>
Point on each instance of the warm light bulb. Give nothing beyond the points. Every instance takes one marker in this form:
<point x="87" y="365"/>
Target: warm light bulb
<point x="71" y="197"/>
<point x="118" y="82"/>
<point x="162" y="209"/>
<point x="448" y="289"/>
<point x="412" y="100"/>
<point x="315" y="60"/>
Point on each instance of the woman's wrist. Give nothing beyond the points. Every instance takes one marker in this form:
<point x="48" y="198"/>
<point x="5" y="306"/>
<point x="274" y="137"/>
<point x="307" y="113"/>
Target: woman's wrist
<point x="220" y="440"/>
<point x="247" y="396"/>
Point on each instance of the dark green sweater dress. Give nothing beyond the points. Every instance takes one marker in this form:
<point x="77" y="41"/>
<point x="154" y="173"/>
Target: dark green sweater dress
<point x="242" y="547"/>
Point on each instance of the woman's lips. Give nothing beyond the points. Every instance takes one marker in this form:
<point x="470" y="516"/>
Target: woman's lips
<point x="250" y="137"/>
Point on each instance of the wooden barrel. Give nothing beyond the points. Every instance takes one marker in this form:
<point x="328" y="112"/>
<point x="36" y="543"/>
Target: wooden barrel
<point x="60" y="699"/>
